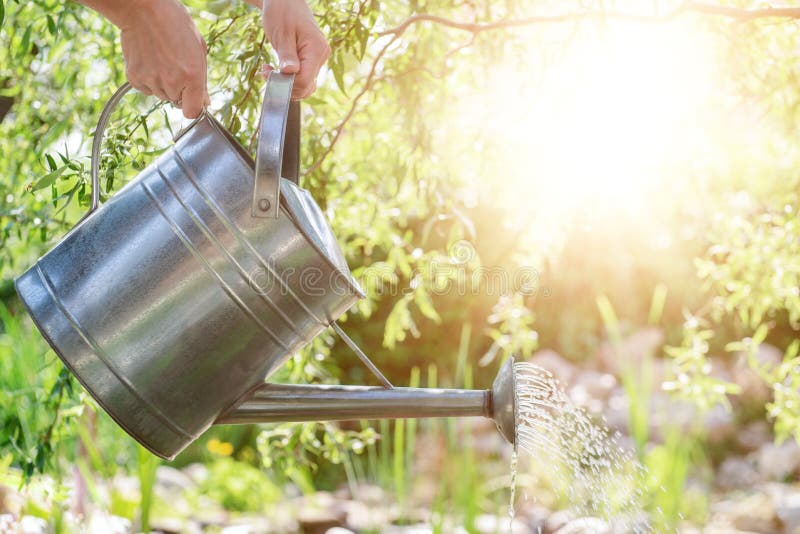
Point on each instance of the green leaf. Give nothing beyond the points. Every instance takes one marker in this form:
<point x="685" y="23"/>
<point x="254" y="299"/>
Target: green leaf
<point x="51" y="162"/>
<point x="337" y="67"/>
<point x="25" y="44"/>
<point x="2" y="12"/>
<point x="46" y="180"/>
<point x="760" y="335"/>
<point x="425" y="305"/>
<point x="51" y="25"/>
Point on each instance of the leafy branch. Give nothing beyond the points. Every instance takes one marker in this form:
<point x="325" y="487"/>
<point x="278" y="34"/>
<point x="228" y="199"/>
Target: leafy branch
<point x="741" y="14"/>
<point x="475" y="28"/>
<point x="337" y="131"/>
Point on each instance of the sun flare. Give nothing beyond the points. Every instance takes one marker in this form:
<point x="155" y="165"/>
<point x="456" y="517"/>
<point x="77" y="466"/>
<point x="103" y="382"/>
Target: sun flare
<point x="604" y="120"/>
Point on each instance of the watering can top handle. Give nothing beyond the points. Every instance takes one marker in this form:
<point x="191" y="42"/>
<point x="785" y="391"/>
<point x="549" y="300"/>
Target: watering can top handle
<point x="270" y="152"/>
<point x="280" y="119"/>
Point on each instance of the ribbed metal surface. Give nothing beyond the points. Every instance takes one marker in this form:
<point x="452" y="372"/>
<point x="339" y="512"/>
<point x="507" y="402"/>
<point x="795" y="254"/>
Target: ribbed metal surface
<point x="171" y="301"/>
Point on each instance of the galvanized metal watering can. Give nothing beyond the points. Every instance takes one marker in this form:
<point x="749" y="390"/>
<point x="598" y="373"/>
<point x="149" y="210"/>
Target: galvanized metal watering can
<point x="175" y="300"/>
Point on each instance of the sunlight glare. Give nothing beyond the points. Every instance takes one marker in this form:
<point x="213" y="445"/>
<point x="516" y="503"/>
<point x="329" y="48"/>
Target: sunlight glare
<point x="605" y="123"/>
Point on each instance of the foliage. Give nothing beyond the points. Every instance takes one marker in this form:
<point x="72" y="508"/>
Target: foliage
<point x="409" y="183"/>
<point x="753" y="264"/>
<point x="295" y="449"/>
<point x="693" y="380"/>
<point x="669" y="466"/>
<point x="147" y="466"/>
<point x="784" y="378"/>
<point x="38" y="398"/>
<point x="637" y="381"/>
<point x="239" y="486"/>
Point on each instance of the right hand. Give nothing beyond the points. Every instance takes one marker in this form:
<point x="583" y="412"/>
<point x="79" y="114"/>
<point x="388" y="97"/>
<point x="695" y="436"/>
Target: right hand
<point x="165" y="55"/>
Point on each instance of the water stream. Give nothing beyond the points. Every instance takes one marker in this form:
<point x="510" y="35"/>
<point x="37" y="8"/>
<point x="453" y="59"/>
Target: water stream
<point x="511" y="511"/>
<point x="586" y="463"/>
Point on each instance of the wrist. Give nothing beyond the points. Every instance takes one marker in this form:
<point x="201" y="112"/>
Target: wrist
<point x="126" y="13"/>
<point x="267" y="4"/>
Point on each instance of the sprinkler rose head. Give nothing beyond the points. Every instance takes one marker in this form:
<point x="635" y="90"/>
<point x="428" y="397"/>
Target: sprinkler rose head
<point x="504" y="402"/>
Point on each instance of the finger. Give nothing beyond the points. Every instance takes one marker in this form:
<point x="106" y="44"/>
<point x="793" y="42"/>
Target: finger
<point x="309" y="91"/>
<point x="142" y="88"/>
<point x="175" y="95"/>
<point x="161" y="94"/>
<point x="193" y="96"/>
<point x="265" y="70"/>
<point x="305" y="80"/>
<point x="207" y="100"/>
<point x="287" y="53"/>
<point x="312" y="58"/>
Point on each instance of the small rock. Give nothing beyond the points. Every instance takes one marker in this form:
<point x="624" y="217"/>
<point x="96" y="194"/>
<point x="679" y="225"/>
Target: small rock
<point x="408" y="529"/>
<point x="789" y="515"/>
<point x="668" y="412"/>
<point x="492" y="524"/>
<point x="339" y="530"/>
<point x="172" y="479"/>
<point x="585" y="525"/>
<point x="720" y="369"/>
<point x="762" y="525"/>
<point x="754" y="513"/>
<point x="11" y="501"/>
<point x="170" y="525"/>
<point x="777" y="462"/>
<point x="557" y="520"/>
<point x="197" y="472"/>
<point x="238" y="529"/>
<point x="720" y="424"/>
<point x="535" y="514"/>
<point x="363" y="516"/>
<point x="786" y="500"/>
<point x="631" y="351"/>
<point x="31" y="525"/>
<point x="597" y="385"/>
<point x="753" y="436"/>
<point x="616" y="413"/>
<point x="319" y="521"/>
<point x="754" y="389"/>
<point x="563" y="370"/>
<point x="101" y="523"/>
<point x="260" y="524"/>
<point x="736" y="472"/>
<point x="369" y="493"/>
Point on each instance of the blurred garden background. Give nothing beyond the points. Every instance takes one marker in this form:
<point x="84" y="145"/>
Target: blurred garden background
<point x="606" y="188"/>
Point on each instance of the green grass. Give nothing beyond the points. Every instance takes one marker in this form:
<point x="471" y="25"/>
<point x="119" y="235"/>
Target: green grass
<point x="668" y="464"/>
<point x="147" y="465"/>
<point x="463" y="491"/>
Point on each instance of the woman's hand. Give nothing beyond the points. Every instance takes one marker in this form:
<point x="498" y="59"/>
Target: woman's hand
<point x="164" y="53"/>
<point x="302" y="49"/>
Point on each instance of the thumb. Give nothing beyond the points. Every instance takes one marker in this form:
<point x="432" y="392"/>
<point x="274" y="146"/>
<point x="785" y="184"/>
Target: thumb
<point x="287" y="53"/>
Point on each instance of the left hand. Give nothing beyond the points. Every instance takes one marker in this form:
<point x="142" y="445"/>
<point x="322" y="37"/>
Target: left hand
<point x="302" y="49"/>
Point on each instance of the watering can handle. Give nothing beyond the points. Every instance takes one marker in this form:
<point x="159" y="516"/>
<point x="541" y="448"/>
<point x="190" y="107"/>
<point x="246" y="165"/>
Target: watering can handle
<point x="272" y="134"/>
<point x="279" y="119"/>
<point x="97" y="141"/>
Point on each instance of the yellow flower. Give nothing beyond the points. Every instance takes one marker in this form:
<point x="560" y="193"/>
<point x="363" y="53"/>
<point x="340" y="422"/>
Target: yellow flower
<point x="223" y="448"/>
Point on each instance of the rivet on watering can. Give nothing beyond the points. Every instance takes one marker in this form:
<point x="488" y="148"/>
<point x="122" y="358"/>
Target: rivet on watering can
<point x="264" y="204"/>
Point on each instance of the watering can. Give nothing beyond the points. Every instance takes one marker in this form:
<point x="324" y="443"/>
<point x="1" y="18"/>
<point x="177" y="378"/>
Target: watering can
<point x="175" y="300"/>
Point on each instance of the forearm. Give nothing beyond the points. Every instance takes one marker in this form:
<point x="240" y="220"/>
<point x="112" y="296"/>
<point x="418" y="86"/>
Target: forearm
<point x="118" y="12"/>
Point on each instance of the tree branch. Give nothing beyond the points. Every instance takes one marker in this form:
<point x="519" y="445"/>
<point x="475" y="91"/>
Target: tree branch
<point x="741" y="14"/>
<point x="337" y="131"/>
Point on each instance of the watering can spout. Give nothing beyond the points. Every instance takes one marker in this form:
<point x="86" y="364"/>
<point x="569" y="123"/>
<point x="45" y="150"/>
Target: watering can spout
<point x="271" y="403"/>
